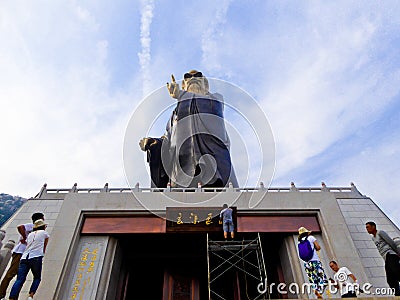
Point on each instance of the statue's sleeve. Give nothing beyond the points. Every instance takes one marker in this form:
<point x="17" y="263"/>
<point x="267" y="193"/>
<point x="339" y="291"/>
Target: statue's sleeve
<point x="159" y="178"/>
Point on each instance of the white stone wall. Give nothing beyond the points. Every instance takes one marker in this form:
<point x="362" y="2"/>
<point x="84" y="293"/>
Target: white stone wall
<point x="356" y="213"/>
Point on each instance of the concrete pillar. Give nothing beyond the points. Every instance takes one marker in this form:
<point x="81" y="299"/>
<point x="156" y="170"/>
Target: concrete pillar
<point x="5" y="255"/>
<point x="2" y="235"/>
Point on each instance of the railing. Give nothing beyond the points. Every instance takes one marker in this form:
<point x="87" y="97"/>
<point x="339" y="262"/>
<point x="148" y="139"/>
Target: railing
<point x="169" y="189"/>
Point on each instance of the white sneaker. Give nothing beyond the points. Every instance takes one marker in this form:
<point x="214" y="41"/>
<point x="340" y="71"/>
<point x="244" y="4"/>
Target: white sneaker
<point x="30" y="298"/>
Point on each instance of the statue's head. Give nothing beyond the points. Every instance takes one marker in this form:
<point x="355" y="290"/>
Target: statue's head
<point x="195" y="82"/>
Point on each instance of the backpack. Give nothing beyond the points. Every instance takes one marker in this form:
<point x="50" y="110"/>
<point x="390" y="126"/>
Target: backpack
<point x="306" y="252"/>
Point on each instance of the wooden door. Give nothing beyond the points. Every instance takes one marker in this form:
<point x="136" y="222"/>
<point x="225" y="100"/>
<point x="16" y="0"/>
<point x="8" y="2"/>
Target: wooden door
<point x="178" y="287"/>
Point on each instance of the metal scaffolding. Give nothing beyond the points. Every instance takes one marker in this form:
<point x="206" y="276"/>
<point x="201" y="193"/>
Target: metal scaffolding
<point x="246" y="259"/>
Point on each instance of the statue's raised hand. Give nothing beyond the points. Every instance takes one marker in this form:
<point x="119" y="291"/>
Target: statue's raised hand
<point x="143" y="143"/>
<point x="173" y="88"/>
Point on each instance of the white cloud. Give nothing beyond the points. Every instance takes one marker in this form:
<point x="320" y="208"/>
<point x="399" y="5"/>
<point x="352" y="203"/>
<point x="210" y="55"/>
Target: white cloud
<point x="86" y="17"/>
<point x="375" y="172"/>
<point x="145" y="41"/>
<point x="331" y="88"/>
<point x="59" y="123"/>
<point x="210" y="40"/>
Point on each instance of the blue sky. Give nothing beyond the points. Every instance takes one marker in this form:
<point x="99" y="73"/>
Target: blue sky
<point x="327" y="76"/>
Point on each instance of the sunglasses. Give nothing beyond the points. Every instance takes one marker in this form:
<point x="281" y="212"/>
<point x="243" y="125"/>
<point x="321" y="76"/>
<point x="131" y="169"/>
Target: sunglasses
<point x="188" y="75"/>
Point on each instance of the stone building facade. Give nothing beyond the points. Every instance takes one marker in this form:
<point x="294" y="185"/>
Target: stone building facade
<point x="105" y="244"/>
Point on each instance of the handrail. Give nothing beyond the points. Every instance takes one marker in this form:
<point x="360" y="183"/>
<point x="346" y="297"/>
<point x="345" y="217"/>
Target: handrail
<point x="195" y="190"/>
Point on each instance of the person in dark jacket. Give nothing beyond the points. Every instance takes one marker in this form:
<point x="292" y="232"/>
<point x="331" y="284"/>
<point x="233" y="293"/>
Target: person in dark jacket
<point x="388" y="250"/>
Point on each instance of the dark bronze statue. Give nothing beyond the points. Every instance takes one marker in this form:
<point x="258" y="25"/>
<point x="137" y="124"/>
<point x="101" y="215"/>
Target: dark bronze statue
<point x="195" y="146"/>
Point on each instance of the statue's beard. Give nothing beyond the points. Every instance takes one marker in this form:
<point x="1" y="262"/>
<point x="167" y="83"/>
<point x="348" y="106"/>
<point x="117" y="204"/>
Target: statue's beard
<point x="196" y="87"/>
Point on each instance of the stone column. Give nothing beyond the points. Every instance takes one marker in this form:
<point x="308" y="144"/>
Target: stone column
<point x="2" y="235"/>
<point x="5" y="255"/>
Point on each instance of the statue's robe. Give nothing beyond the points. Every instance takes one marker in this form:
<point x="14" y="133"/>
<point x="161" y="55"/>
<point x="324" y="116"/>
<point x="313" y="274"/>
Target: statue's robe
<point x="196" y="145"/>
<point x="159" y="177"/>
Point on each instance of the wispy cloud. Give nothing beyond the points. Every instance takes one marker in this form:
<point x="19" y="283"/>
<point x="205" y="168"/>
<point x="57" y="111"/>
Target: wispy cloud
<point x="145" y="42"/>
<point x="327" y="91"/>
<point x="210" y="40"/>
<point x="375" y="171"/>
<point x="57" y="113"/>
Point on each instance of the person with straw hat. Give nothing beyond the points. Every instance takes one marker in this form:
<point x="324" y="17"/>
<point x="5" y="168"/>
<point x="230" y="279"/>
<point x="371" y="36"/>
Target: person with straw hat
<point x="24" y="230"/>
<point x="308" y="247"/>
<point x="31" y="259"/>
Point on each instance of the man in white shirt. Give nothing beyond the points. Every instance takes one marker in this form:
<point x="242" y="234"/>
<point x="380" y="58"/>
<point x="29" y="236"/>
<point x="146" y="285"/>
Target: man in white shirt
<point x="24" y="230"/>
<point x="341" y="280"/>
<point x="31" y="260"/>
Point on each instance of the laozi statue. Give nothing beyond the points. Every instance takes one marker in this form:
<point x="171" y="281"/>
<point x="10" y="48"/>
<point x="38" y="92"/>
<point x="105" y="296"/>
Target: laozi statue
<point x="195" y="146"/>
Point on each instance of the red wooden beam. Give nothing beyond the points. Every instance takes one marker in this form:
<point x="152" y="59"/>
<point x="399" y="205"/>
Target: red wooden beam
<point x="123" y="224"/>
<point x="153" y="224"/>
<point x="287" y="223"/>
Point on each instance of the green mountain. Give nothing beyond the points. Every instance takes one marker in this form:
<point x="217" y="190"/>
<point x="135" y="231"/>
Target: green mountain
<point x="8" y="206"/>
